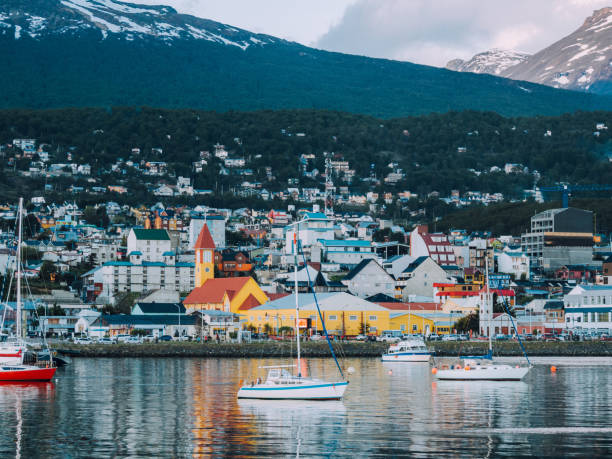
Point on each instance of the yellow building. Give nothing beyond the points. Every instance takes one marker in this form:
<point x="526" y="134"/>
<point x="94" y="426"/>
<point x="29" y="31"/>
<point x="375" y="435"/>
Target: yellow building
<point x="343" y="313"/>
<point x="204" y="257"/>
<point x="409" y="322"/>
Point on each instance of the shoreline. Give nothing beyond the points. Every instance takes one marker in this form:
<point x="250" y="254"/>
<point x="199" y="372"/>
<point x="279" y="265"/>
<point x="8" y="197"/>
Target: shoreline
<point x="286" y="349"/>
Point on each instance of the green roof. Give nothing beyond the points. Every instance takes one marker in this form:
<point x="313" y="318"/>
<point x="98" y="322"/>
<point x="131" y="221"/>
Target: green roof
<point x="151" y="234"/>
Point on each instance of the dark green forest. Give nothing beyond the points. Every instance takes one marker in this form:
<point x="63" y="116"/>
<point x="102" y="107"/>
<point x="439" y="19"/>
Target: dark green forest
<point x="424" y="147"/>
<point x="83" y="70"/>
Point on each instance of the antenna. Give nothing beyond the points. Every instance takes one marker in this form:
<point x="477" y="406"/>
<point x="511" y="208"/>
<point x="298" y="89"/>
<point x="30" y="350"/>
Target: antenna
<point x="329" y="186"/>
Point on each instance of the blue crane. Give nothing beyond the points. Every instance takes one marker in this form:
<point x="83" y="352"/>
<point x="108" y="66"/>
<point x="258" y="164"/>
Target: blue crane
<point x="567" y="189"/>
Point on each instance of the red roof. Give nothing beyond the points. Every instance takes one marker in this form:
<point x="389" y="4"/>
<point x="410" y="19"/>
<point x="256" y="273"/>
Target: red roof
<point x="213" y="290"/>
<point x="411" y="306"/>
<point x="458" y="293"/>
<point x="249" y="303"/>
<point x="276" y="296"/>
<point x="205" y="240"/>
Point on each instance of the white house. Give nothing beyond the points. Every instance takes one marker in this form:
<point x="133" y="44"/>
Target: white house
<point x="418" y="278"/>
<point x="513" y="262"/>
<point x="148" y="244"/>
<point x="369" y="278"/>
<point x="589" y="307"/>
<point x="346" y="253"/>
<point x="314" y="226"/>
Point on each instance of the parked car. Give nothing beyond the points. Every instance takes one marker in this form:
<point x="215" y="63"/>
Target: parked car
<point x="464" y="337"/>
<point x="527" y="337"/>
<point x="165" y="338"/>
<point x="501" y="337"/>
<point x="133" y="340"/>
<point x="122" y="338"/>
<point x="450" y="337"/>
<point x="148" y="338"/>
<point x="183" y="338"/>
<point x="434" y="337"/>
<point x="389" y="339"/>
<point x="83" y="341"/>
<point x="105" y="341"/>
<point x="361" y="337"/>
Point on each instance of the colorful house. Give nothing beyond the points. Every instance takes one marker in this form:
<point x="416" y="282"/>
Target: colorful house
<point x="225" y="294"/>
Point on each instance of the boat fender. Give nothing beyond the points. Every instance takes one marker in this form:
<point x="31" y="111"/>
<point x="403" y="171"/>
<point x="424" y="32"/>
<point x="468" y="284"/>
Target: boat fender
<point x="467" y="368"/>
<point x="434" y="370"/>
<point x="458" y="367"/>
<point x="553" y="369"/>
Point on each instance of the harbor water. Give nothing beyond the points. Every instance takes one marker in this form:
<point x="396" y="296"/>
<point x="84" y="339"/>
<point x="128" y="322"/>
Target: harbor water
<point x="145" y="407"/>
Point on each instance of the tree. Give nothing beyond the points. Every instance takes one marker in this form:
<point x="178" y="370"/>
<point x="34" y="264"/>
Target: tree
<point x="468" y="323"/>
<point x="47" y="270"/>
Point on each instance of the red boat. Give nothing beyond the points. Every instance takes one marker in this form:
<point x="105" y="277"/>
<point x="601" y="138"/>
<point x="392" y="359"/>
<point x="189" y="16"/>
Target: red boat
<point x="26" y="373"/>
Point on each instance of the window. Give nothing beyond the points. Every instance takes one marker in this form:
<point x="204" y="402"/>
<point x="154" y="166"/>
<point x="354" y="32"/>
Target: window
<point x="372" y="318"/>
<point x="414" y="327"/>
<point x="352" y="317"/>
<point x="402" y="327"/>
<point x="333" y="317"/>
<point x="602" y="317"/>
<point x="207" y="256"/>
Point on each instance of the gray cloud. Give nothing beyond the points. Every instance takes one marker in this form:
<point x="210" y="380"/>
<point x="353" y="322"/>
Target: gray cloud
<point x="436" y="31"/>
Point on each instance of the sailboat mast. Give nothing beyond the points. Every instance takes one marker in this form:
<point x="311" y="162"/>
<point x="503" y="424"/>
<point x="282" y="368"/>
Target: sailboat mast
<point x="297" y="304"/>
<point x="489" y="304"/>
<point x="18" y="257"/>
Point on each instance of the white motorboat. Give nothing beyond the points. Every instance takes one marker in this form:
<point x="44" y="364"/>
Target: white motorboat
<point x="282" y="384"/>
<point x="413" y="350"/>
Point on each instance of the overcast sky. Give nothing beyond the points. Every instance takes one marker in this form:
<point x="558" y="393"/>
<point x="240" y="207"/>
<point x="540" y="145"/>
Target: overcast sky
<point x="422" y="31"/>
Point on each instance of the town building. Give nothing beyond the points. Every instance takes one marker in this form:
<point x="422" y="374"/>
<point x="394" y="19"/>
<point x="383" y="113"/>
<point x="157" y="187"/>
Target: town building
<point x="589" y="307"/>
<point x="148" y="244"/>
<point x="312" y="227"/>
<point x="369" y="278"/>
<point x="434" y="245"/>
<point x="559" y="237"/>
<point x="419" y="277"/>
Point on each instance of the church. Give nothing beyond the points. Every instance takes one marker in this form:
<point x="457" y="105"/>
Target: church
<point x="232" y="294"/>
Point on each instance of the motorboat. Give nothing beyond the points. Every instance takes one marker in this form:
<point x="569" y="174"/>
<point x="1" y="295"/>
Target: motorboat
<point x="413" y="350"/>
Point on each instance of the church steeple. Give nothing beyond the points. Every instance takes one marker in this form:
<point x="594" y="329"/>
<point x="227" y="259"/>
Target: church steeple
<point x="204" y="257"/>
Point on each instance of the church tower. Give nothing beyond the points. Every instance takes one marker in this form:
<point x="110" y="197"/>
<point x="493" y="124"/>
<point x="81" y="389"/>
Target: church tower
<point x="204" y="257"/>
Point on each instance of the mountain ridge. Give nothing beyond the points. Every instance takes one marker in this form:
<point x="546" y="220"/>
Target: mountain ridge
<point x="103" y="52"/>
<point x="580" y="61"/>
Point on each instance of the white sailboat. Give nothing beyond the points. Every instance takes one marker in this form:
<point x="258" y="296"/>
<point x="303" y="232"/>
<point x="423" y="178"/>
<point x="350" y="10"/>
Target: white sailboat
<point x="13" y="368"/>
<point x="282" y="384"/>
<point x="479" y="369"/>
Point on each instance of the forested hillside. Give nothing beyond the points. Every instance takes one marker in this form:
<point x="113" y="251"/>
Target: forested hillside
<point x="435" y="152"/>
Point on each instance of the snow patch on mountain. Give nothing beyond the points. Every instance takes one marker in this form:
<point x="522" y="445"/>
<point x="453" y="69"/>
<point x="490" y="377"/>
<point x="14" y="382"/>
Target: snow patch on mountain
<point x="128" y="21"/>
<point x="494" y="61"/>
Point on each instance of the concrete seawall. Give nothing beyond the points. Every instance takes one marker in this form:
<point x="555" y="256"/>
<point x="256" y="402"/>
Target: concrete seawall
<point x="320" y="349"/>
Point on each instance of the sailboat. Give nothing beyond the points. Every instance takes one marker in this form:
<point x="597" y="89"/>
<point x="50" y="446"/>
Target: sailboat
<point x="282" y="384"/>
<point x="477" y="368"/>
<point x="13" y="368"/>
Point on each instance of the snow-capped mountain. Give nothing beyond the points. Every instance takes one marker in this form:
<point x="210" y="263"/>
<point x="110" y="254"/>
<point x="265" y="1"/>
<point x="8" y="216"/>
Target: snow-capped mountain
<point x="114" y="19"/>
<point x="581" y="60"/>
<point x="104" y="53"/>
<point x="494" y="62"/>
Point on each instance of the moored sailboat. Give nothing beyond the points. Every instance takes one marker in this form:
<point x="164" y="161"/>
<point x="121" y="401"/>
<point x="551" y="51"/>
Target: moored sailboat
<point x="478" y="368"/>
<point x="13" y="368"/>
<point x="282" y="384"/>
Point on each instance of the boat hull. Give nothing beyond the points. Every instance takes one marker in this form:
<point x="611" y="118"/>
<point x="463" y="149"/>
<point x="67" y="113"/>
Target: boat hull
<point x="319" y="391"/>
<point x="407" y="357"/>
<point x="25" y="373"/>
<point x="493" y="373"/>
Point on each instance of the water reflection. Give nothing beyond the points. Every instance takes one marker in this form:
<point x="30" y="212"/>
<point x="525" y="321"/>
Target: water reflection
<point x="188" y="407"/>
